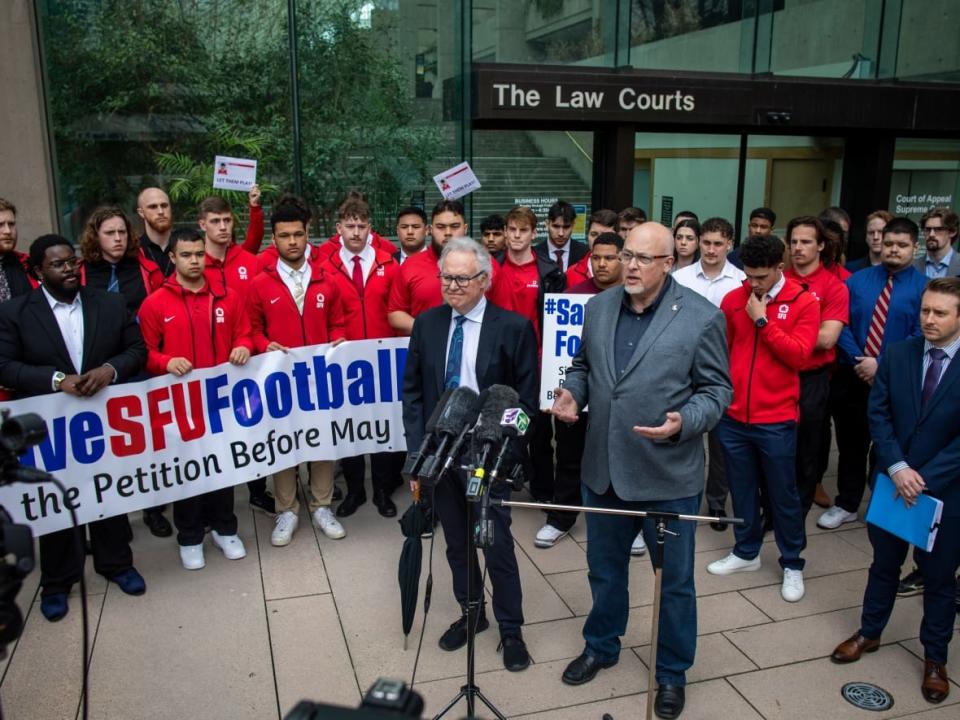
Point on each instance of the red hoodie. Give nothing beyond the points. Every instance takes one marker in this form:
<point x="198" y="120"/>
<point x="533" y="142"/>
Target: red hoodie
<point x="203" y="326"/>
<point x="236" y="271"/>
<point x="580" y="271"/>
<point x="274" y="316"/>
<point x="366" y="314"/>
<point x="332" y="246"/>
<point x="765" y="363"/>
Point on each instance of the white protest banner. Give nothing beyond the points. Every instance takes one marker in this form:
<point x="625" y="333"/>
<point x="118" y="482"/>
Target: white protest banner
<point x="562" y="325"/>
<point x="144" y="444"/>
<point x="230" y="173"/>
<point x="457" y="181"/>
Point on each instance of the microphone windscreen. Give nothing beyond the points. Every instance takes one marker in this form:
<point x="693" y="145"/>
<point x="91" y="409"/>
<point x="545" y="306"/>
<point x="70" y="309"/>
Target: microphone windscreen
<point x="435" y="415"/>
<point x="499" y="399"/>
<point x="461" y="409"/>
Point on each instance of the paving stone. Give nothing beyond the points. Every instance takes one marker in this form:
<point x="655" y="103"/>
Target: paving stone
<point x="296" y="569"/>
<point x="823" y="594"/>
<point x="716" y="657"/>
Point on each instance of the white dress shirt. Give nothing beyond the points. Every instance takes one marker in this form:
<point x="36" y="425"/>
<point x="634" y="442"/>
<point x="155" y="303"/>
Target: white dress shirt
<point x="713" y="289"/>
<point x="70" y="319"/>
<point x="289" y="277"/>
<point x="471" y="343"/>
<point x="367" y="256"/>
<point x="552" y="253"/>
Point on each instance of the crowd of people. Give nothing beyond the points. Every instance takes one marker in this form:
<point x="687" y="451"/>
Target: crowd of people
<point x="767" y="348"/>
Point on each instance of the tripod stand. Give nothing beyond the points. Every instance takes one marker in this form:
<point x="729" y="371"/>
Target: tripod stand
<point x="660" y="518"/>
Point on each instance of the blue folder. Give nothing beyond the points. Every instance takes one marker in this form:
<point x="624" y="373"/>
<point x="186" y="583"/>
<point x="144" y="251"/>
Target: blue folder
<point x="917" y="524"/>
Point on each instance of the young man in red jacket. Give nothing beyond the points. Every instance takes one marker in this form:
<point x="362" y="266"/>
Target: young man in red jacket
<point x="293" y="303"/>
<point x="363" y="274"/>
<point x="772" y="327"/>
<point x="188" y="324"/>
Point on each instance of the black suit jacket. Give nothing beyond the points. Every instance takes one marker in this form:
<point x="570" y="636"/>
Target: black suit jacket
<point x="577" y="251"/>
<point x="32" y="348"/>
<point x="507" y="356"/>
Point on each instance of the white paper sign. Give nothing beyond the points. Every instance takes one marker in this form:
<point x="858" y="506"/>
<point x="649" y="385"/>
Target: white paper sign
<point x="562" y="326"/>
<point x="230" y="173"/>
<point x="457" y="181"/>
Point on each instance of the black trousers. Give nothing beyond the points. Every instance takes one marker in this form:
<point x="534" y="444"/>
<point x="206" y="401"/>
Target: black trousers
<point x="61" y="559"/>
<point x="215" y="508"/>
<point x="718" y="487"/>
<point x="450" y="504"/>
<point x="569" y="454"/>
<point x="385" y="470"/>
<point x="814" y="416"/>
<point x="849" y="401"/>
<point x="539" y="470"/>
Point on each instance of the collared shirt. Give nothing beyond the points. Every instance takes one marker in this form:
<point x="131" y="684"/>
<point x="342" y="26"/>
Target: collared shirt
<point x="777" y="287"/>
<point x="631" y="325"/>
<point x="69" y="318"/>
<point x="289" y="276"/>
<point x="405" y="255"/>
<point x="367" y="256"/>
<point x="939" y="269"/>
<point x="552" y="251"/>
<point x="713" y="289"/>
<point x="471" y="343"/>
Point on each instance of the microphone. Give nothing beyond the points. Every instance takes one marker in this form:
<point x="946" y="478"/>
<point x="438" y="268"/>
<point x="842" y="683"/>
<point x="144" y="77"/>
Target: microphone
<point x="453" y="424"/>
<point x="487" y="433"/>
<point x="415" y="460"/>
<point x="514" y="423"/>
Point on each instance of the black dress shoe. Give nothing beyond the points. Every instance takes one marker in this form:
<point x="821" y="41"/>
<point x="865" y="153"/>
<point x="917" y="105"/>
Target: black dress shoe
<point x="718" y="526"/>
<point x="350" y="504"/>
<point x="583" y="669"/>
<point x="157" y="524"/>
<point x="455" y="636"/>
<point x="264" y="502"/>
<point x="337" y="494"/>
<point x="515" y="655"/>
<point x="384" y="504"/>
<point x="669" y="701"/>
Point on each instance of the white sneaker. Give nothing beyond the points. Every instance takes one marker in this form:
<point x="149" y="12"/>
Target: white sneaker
<point x="548" y="536"/>
<point x="231" y="545"/>
<point x="328" y="523"/>
<point x="835" y="517"/>
<point x="192" y="557"/>
<point x="731" y="564"/>
<point x="283" y="529"/>
<point x="792" y="588"/>
<point x="639" y="547"/>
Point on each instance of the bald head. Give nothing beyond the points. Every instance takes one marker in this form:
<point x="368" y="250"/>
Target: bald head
<point x="647" y="259"/>
<point x="153" y="206"/>
<point x="650" y="238"/>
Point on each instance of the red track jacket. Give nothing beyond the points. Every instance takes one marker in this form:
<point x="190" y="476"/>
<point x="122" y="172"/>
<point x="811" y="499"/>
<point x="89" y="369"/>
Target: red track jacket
<point x="366" y="315"/>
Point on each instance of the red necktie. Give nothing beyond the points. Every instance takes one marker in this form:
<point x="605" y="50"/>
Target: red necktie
<point x="357" y="274"/>
<point x="879" y="320"/>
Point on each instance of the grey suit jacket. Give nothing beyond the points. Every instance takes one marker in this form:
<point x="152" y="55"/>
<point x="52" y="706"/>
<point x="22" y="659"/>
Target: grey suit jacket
<point x="953" y="269"/>
<point x="681" y="365"/>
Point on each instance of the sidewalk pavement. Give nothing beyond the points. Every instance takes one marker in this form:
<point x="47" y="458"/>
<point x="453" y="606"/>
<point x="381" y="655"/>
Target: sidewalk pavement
<point x="320" y="619"/>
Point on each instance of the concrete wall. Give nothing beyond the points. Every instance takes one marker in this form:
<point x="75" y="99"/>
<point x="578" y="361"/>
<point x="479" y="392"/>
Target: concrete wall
<point x="26" y="179"/>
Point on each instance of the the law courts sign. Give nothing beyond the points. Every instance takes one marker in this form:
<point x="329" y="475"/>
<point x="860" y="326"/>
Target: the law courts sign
<point x="513" y="94"/>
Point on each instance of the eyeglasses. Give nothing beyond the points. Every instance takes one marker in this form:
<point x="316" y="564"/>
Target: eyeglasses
<point x="937" y="230"/>
<point x="627" y="258"/>
<point x="460" y="281"/>
<point x="62" y="264"/>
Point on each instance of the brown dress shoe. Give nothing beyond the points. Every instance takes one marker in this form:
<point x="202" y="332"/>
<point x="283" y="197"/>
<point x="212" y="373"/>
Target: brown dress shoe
<point x="851" y="649"/>
<point x="821" y="498"/>
<point x="935" y="687"/>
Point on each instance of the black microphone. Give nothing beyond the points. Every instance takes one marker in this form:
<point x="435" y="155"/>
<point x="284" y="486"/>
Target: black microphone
<point x="513" y="423"/>
<point x="488" y="433"/>
<point x="415" y="460"/>
<point x="453" y="424"/>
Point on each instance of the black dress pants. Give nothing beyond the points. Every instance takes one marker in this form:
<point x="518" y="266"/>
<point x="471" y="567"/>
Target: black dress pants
<point x="566" y="489"/>
<point x="62" y="558"/>
<point x="850" y="396"/>
<point x="385" y="470"/>
<point x="539" y="470"/>
<point x="814" y="415"/>
<point x="215" y="508"/>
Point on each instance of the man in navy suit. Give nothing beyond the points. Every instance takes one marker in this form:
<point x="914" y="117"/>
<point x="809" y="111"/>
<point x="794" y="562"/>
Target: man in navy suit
<point x="470" y="342"/>
<point x="913" y="411"/>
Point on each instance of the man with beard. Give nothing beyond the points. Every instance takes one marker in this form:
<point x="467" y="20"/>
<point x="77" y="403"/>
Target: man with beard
<point x="14" y="278"/>
<point x="939" y="228"/>
<point x="153" y="207"/>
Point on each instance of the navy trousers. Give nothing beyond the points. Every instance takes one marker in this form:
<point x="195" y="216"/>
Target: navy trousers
<point x="767" y="452"/>
<point x="608" y="556"/>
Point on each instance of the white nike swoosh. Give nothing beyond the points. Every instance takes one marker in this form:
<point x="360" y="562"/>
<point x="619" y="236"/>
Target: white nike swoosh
<point x="168" y="319"/>
<point x="274" y="300"/>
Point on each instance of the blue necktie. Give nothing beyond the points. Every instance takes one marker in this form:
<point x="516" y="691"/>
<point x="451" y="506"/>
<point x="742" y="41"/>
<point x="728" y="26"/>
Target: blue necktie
<point x="451" y="379"/>
<point x="932" y="377"/>
<point x="114" y="284"/>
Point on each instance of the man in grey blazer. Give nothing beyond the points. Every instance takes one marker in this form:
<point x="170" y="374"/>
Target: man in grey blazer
<point x="653" y="367"/>
<point x="939" y="229"/>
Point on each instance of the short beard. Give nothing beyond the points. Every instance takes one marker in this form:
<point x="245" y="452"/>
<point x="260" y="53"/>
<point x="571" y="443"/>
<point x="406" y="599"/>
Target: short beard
<point x="159" y="226"/>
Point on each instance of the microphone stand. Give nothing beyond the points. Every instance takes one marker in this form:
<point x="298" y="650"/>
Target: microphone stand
<point x="660" y="518"/>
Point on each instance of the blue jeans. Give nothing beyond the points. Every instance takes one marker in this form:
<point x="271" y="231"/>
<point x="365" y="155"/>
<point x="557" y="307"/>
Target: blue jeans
<point x="608" y="555"/>
<point x="769" y="451"/>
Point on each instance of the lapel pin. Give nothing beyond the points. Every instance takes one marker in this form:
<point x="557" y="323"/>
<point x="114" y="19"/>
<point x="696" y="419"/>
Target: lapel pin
<point x="675" y="308"/>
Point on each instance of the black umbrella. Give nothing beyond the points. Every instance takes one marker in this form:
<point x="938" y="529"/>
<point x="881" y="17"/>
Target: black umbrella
<point x="413" y="524"/>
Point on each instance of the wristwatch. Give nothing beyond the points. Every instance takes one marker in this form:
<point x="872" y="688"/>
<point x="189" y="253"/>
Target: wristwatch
<point x="58" y="377"/>
<point x="761" y="322"/>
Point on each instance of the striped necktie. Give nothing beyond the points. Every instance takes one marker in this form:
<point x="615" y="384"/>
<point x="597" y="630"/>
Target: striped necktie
<point x="878" y="321"/>
<point x="451" y="378"/>
<point x="114" y="284"/>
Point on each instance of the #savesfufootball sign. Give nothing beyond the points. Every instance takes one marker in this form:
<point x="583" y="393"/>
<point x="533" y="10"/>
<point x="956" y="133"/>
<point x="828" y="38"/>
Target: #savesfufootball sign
<point x="562" y="327"/>
<point x="144" y="444"/>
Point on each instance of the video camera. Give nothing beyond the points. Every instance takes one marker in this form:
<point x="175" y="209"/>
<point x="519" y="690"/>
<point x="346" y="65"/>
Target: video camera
<point x="384" y="700"/>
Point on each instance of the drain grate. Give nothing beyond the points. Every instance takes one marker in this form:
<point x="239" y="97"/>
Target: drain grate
<point x="866" y="696"/>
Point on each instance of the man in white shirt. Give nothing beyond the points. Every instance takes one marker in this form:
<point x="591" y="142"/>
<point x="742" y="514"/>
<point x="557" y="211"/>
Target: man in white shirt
<point x="559" y="247"/>
<point x="713" y="277"/>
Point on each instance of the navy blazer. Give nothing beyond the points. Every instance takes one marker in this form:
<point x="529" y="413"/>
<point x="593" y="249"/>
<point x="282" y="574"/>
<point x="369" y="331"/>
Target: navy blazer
<point x="32" y="348"/>
<point x="928" y="440"/>
<point x="507" y="356"/>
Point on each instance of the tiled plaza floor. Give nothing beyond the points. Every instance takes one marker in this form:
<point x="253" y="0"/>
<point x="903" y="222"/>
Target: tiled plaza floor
<point x="320" y="619"/>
